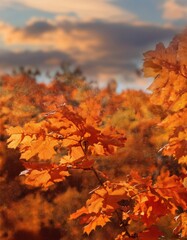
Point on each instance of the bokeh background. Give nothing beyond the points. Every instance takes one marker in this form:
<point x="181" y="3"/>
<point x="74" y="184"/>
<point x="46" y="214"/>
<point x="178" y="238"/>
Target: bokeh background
<point x="105" y="38"/>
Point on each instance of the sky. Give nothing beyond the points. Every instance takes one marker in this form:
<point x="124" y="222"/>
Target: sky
<point x="105" y="38"/>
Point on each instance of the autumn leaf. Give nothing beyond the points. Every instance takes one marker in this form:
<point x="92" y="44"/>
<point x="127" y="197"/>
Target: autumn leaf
<point x="181" y="225"/>
<point x="184" y="224"/>
<point x="71" y="141"/>
<point x="78" y="213"/>
<point x="97" y="149"/>
<point x="39" y="179"/>
<point x="180" y="103"/>
<point x="44" y="148"/>
<point x="95" y="221"/>
<point x="45" y="175"/>
<point x="165" y="65"/>
<point x="15" y="138"/>
<point x="95" y="204"/>
<point x="169" y="90"/>
<point x="103" y="203"/>
<point x="185" y="182"/>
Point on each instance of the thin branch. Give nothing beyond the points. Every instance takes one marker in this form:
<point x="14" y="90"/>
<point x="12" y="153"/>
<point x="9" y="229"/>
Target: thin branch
<point x="123" y="224"/>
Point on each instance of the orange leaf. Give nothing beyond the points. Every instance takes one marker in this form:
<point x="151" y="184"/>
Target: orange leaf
<point x="95" y="221"/>
<point x="15" y="138"/>
<point x="94" y="204"/>
<point x="78" y="213"/>
<point x="39" y="179"/>
<point x="44" y="148"/>
<point x="184" y="224"/>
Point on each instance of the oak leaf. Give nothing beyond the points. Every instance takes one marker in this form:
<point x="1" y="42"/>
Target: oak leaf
<point x="15" y="136"/>
<point x="95" y="221"/>
<point x="43" y="147"/>
<point x="39" y="179"/>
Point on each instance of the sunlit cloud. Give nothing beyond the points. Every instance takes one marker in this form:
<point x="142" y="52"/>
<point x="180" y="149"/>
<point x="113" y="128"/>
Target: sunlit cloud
<point x="81" y="10"/>
<point x="43" y="35"/>
<point x="108" y="48"/>
<point x="174" y="10"/>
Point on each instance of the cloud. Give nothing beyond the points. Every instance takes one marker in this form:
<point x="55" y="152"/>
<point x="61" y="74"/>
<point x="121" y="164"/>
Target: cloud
<point x="98" y="47"/>
<point x="82" y="10"/>
<point x="173" y="10"/>
<point x="76" y="41"/>
<point x="5" y="3"/>
<point x="38" y="27"/>
<point x="33" y="58"/>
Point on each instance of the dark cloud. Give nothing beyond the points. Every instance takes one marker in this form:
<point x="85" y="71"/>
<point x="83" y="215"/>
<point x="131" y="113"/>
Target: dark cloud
<point x="128" y="40"/>
<point x="38" y="27"/>
<point x="35" y="59"/>
<point x="113" y="34"/>
<point x="122" y="45"/>
<point x="120" y="33"/>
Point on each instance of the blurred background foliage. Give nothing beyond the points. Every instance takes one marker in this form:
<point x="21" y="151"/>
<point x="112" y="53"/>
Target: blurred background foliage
<point x="27" y="213"/>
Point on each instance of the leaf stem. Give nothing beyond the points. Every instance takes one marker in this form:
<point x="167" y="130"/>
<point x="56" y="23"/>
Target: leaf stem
<point x="97" y="176"/>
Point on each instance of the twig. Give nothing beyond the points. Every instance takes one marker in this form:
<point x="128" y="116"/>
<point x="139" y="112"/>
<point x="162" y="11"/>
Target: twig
<point x="97" y="176"/>
<point x="123" y="224"/>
